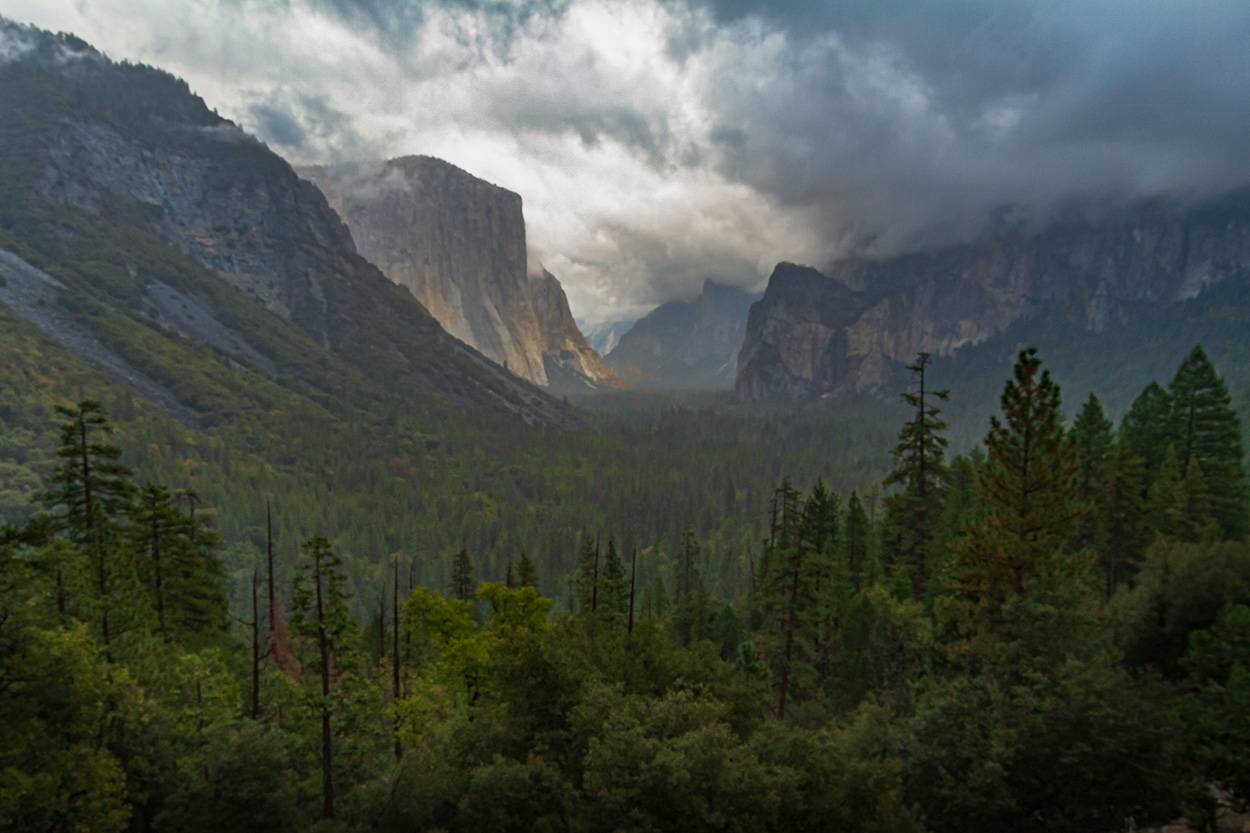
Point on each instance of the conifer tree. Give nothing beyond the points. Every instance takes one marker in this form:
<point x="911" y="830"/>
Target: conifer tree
<point x="614" y="592"/>
<point x="1147" y="428"/>
<point x="825" y="577"/>
<point x="321" y="615"/>
<point x="789" y="602"/>
<point x="270" y="589"/>
<point x="90" y="492"/>
<point x="1124" y="529"/>
<point x="633" y="587"/>
<point x="690" y="602"/>
<point x="463" y="585"/>
<point x="1205" y="427"/>
<point x="1167" y="497"/>
<point x="1029" y="487"/>
<point x="1200" y="522"/>
<point x="588" y="575"/>
<point x="527" y="573"/>
<point x="157" y="531"/>
<point x="919" y="471"/>
<point x="687" y="568"/>
<point x="858" y="534"/>
<point x="1092" y="438"/>
<point x="182" y="568"/>
<point x="396" y="672"/>
<point x="822" y="522"/>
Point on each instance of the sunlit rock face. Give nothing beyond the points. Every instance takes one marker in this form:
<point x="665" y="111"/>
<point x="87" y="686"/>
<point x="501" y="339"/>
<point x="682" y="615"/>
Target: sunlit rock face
<point x="458" y="244"/>
<point x="850" y="328"/>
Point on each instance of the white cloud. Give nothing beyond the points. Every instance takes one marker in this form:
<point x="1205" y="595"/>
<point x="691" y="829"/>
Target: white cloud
<point x="583" y="114"/>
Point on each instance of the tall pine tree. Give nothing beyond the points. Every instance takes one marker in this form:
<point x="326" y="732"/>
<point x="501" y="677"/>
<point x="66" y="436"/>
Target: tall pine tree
<point x="614" y="589"/>
<point x="1093" y="440"/>
<point x="1029" y="485"/>
<point x="913" y="512"/>
<point x="1146" y="428"/>
<point x="321" y="615"/>
<point x="90" y="493"/>
<point x="1205" y="428"/>
<point x="462" y="583"/>
<point x="1124" y="529"/>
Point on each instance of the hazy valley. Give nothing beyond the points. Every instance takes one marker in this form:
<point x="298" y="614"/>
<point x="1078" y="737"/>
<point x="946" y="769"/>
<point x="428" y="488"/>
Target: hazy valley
<point x="319" y="510"/>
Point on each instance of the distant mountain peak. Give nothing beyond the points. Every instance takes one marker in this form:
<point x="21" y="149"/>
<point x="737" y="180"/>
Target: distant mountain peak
<point x="851" y="328"/>
<point x="688" y="343"/>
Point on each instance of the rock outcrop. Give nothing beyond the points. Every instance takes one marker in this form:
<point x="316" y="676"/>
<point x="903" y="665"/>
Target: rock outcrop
<point x="458" y="244"/>
<point x="816" y="335"/>
<point x="686" y="344"/>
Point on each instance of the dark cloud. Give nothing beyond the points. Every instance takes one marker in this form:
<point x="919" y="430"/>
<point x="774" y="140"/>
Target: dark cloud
<point x="395" y="22"/>
<point x="306" y="127"/>
<point x="906" y="123"/>
<point x="278" y="124"/>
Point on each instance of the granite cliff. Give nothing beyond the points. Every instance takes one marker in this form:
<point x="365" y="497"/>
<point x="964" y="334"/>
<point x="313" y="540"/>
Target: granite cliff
<point x="458" y="244"/>
<point x="690" y="343"/>
<point x="815" y="335"/>
<point x="158" y="219"/>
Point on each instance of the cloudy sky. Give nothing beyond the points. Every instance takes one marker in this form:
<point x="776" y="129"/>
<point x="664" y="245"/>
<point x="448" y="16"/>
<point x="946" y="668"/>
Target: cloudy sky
<point x="660" y="142"/>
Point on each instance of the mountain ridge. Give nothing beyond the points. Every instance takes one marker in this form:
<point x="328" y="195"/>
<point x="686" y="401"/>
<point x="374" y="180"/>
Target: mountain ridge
<point x="820" y="334"/>
<point x="690" y="342"/>
<point x="122" y="184"/>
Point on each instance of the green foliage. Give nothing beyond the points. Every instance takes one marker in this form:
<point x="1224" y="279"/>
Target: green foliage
<point x="1181" y="590"/>
<point x="245" y="780"/>
<point x="59" y="699"/>
<point x="1204" y="428"/>
<point x="614" y="586"/>
<point x="1147" y="427"/>
<point x="1005" y="694"/>
<point x="913" y="512"/>
<point x="1093" y="440"/>
<point x="527" y="572"/>
<point x="1123" y="529"/>
<point x="462" y="583"/>
<point x="1217" y="720"/>
<point x="1033" y="508"/>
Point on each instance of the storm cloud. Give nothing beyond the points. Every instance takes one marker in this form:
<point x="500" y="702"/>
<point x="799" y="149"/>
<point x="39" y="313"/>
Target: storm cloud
<point x="661" y="142"/>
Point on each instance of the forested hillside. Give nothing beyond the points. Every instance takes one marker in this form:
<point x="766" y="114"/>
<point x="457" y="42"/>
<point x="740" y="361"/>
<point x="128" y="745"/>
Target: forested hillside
<point x="1047" y="634"/>
<point x="421" y="487"/>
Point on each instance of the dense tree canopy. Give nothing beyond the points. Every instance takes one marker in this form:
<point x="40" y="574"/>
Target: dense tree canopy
<point x="1071" y="657"/>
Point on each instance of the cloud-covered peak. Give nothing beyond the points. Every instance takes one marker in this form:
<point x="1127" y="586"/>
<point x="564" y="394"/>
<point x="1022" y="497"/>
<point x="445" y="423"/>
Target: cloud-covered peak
<point x="660" y="141"/>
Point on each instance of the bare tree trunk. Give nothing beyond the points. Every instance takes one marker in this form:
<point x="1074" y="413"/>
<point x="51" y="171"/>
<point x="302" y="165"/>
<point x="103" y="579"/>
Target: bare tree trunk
<point x="633" y="583"/>
<point x="255" y="647"/>
<point x="156" y="564"/>
<point x="382" y="624"/>
<point x="97" y="542"/>
<point x="273" y="613"/>
<point x="395" y="693"/>
<point x="785" y="668"/>
<point x="327" y="741"/>
<point x="594" y="581"/>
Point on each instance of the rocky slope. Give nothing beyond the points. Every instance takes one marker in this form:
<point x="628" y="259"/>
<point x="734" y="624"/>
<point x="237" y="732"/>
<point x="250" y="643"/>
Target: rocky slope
<point x="816" y="335"/>
<point x="162" y="220"/>
<point x="458" y="244"/>
<point x="686" y="344"/>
